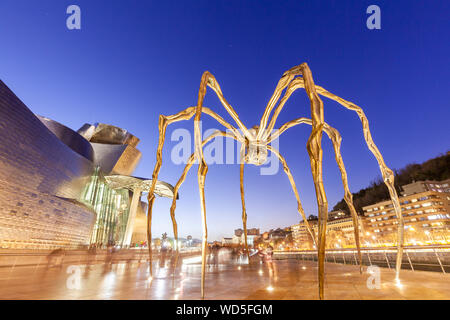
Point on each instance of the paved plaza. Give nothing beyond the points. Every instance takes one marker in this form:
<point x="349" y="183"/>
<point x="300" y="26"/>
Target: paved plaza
<point x="285" y="279"/>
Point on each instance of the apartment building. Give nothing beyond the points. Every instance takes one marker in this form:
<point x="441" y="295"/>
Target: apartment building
<point x="428" y="185"/>
<point x="429" y="210"/>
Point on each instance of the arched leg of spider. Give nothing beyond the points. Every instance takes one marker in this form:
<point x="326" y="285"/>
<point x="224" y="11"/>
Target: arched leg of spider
<point x="336" y="139"/>
<point x="387" y="174"/>
<point x="201" y="175"/>
<point x="180" y="181"/>
<point x="348" y="197"/>
<point x="244" y="211"/>
<point x="294" y="188"/>
<point x="175" y="235"/>
<point x="208" y="80"/>
<point x="315" y="152"/>
<point x="283" y="83"/>
<point x="164" y="122"/>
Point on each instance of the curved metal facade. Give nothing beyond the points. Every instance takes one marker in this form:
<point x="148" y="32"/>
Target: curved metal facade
<point x="39" y="175"/>
<point x="70" y="138"/>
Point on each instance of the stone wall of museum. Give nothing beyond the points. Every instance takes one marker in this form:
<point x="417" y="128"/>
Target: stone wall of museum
<point x="41" y="180"/>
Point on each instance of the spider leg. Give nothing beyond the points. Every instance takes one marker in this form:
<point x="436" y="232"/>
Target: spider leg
<point x="208" y="80"/>
<point x="315" y="152"/>
<point x="201" y="176"/>
<point x="294" y="188"/>
<point x="163" y="123"/>
<point x="244" y="211"/>
<point x="336" y="139"/>
<point x="182" y="178"/>
<point x="386" y="172"/>
<point x="285" y="81"/>
<point x="294" y="85"/>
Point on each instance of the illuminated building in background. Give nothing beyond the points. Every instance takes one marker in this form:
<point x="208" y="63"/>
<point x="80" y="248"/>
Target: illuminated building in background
<point x="333" y="215"/>
<point x="426" y="216"/>
<point x="344" y="225"/>
<point x="427" y="185"/>
<point x="252" y="231"/>
<point x="301" y="236"/>
<point x="62" y="188"/>
<point x="238" y="237"/>
<point x="340" y="231"/>
<point x="227" y="241"/>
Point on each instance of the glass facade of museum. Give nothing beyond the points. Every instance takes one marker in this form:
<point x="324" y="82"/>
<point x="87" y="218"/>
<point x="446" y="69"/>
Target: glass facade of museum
<point x="112" y="207"/>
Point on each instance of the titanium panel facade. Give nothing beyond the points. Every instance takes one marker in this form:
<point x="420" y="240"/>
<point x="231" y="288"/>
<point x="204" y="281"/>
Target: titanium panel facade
<point x="70" y="138"/>
<point x="39" y="175"/>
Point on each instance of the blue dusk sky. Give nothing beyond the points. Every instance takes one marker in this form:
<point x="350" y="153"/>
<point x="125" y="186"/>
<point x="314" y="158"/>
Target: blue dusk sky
<point x="134" y="60"/>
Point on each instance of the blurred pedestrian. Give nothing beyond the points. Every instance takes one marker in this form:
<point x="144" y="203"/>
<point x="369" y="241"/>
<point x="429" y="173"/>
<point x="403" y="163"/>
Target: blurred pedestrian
<point x="56" y="258"/>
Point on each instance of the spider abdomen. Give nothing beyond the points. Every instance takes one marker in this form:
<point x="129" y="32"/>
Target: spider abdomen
<point x="256" y="153"/>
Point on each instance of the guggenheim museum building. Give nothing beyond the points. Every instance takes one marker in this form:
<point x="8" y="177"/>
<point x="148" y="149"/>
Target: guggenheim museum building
<point x="66" y="188"/>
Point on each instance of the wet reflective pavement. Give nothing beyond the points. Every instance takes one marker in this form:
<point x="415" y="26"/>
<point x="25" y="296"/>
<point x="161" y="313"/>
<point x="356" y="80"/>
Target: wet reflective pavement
<point x="284" y="279"/>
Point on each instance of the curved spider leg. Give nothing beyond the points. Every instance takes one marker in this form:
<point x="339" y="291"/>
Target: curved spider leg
<point x="387" y="174"/>
<point x="182" y="178"/>
<point x="294" y="85"/>
<point x="336" y="139"/>
<point x="284" y="81"/>
<point x="294" y="188"/>
<point x="208" y="80"/>
<point x="162" y="126"/>
<point x="180" y="181"/>
<point x="244" y="210"/>
<point x="201" y="173"/>
<point x="314" y="147"/>
<point x="163" y="123"/>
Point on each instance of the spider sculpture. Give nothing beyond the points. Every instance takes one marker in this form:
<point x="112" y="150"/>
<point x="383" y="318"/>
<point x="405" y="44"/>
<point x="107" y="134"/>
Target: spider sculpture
<point x="254" y="150"/>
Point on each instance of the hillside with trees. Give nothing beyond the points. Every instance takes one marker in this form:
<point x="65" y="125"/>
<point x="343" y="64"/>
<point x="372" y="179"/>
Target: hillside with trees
<point x="434" y="169"/>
